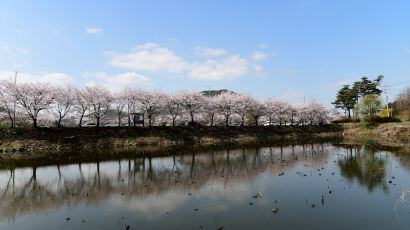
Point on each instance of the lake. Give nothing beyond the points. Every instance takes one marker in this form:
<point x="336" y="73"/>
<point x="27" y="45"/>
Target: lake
<point x="314" y="186"/>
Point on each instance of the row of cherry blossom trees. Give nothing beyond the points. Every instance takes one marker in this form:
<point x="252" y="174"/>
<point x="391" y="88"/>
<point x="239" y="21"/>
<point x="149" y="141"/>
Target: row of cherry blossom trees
<point x="45" y="103"/>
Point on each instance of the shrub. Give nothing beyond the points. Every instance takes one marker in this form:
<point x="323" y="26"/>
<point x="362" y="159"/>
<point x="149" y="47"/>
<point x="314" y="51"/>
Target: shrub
<point x="379" y="119"/>
<point x="346" y="120"/>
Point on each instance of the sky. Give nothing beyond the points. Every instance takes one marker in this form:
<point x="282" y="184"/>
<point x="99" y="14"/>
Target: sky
<point x="295" y="50"/>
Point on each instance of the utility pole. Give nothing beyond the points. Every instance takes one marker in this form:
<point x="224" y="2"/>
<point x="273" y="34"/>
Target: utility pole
<point x="386" y="89"/>
<point x="14" y="110"/>
<point x="209" y="90"/>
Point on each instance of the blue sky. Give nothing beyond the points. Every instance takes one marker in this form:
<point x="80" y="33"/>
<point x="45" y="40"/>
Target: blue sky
<point x="287" y="49"/>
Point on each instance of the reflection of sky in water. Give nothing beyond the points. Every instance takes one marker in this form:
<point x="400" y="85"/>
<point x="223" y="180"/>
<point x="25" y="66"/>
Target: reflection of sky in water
<point x="163" y="193"/>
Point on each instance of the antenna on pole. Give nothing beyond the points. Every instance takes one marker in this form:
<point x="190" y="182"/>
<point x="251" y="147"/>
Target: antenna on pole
<point x="386" y="88"/>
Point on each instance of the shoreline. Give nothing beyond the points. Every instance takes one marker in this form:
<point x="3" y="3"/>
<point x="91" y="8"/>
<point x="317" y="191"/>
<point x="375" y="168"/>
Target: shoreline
<point x="66" y="142"/>
<point x="395" y="135"/>
<point x="62" y="144"/>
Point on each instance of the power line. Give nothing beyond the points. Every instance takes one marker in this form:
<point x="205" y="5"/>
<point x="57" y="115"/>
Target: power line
<point x="398" y="84"/>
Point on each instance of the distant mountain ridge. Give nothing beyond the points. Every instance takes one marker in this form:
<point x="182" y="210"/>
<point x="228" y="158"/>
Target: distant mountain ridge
<point x="213" y="93"/>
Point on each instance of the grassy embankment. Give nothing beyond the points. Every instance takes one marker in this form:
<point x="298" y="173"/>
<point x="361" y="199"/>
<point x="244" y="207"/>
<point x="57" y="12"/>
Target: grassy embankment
<point x="392" y="134"/>
<point x="56" y="142"/>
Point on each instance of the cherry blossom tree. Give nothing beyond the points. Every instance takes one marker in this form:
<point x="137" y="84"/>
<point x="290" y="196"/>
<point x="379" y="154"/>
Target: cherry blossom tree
<point x="131" y="102"/>
<point x="7" y="100"/>
<point x="257" y="109"/>
<point x="120" y="102"/>
<point x="312" y="110"/>
<point x="317" y="113"/>
<point x="192" y="101"/>
<point x="225" y="103"/>
<point x="227" y="107"/>
<point x="151" y="103"/>
<point x="173" y="106"/>
<point x="302" y="113"/>
<point x="63" y="102"/>
<point x="99" y="99"/>
<point x="243" y="103"/>
<point x="34" y="98"/>
<point x="277" y="109"/>
<point x="81" y="104"/>
<point x="292" y="114"/>
<point x="210" y="108"/>
<point x="270" y="105"/>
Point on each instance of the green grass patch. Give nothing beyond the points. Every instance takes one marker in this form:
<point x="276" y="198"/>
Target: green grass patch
<point x="403" y="123"/>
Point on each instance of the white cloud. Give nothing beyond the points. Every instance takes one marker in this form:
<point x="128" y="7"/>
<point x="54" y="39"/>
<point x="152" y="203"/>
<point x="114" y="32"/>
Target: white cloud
<point x="4" y="47"/>
<point x="117" y="82"/>
<point x="262" y="45"/>
<point x="292" y="96"/>
<point x="258" y="68"/>
<point x="151" y="57"/>
<point x="7" y="48"/>
<point x="226" y="69"/>
<point x="23" y="50"/>
<point x="56" y="79"/>
<point x="340" y="83"/>
<point x="209" y="52"/>
<point x="258" y="56"/>
<point x="292" y="72"/>
<point x="152" y="207"/>
<point x="259" y="71"/>
<point x="93" y="30"/>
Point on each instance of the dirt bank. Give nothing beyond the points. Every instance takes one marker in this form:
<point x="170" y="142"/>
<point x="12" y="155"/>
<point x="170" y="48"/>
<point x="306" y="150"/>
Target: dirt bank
<point x="389" y="134"/>
<point x="42" y="142"/>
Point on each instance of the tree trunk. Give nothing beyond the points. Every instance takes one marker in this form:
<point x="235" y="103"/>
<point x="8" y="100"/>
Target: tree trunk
<point x="35" y="122"/>
<point x="192" y="117"/>
<point x="348" y="112"/>
<point x="128" y="115"/>
<point x="119" y="121"/>
<point x="59" y="122"/>
<point x="243" y="120"/>
<point x="149" y="120"/>
<point x="98" y="121"/>
<point x="256" y="121"/>
<point x="81" y="120"/>
<point x="11" y="121"/>
<point x="173" y="120"/>
<point x="227" y="120"/>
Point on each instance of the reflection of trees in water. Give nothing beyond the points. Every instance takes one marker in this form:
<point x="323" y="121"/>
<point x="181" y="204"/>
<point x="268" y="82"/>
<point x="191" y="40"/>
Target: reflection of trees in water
<point x="25" y="192"/>
<point x="366" y="166"/>
<point x="404" y="159"/>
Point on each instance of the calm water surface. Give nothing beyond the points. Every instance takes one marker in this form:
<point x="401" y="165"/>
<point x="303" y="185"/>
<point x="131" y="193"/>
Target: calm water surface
<point x="229" y="189"/>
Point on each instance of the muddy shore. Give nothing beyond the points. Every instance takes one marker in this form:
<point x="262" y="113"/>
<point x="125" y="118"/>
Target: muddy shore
<point x="68" y="142"/>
